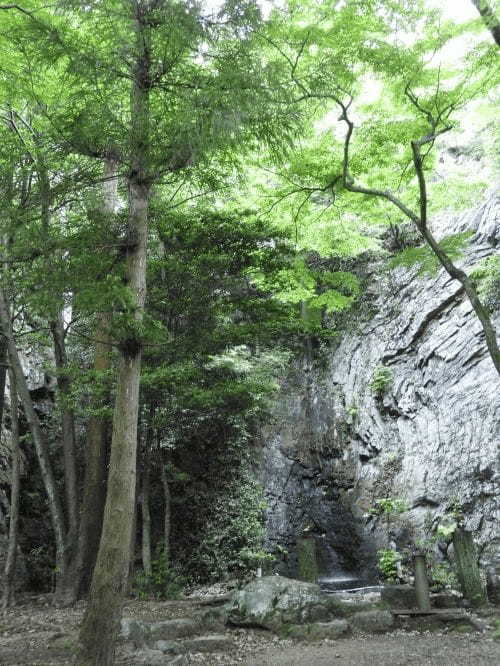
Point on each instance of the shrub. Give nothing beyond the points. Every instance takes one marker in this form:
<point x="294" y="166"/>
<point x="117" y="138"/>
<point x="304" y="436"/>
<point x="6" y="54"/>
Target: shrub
<point x="388" y="560"/>
<point x="486" y="276"/>
<point x="381" y="380"/>
<point x="164" y="581"/>
<point x="233" y="534"/>
<point x="389" y="506"/>
<point x="442" y="576"/>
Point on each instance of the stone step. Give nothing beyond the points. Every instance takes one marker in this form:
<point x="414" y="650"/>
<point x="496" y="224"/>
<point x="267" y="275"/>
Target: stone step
<point x="143" y="633"/>
<point x="208" y="643"/>
<point x="167" y="641"/>
<point x="149" y="657"/>
<point x="318" y="631"/>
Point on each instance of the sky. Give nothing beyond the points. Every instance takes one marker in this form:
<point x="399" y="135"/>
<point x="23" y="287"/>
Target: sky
<point x="460" y="10"/>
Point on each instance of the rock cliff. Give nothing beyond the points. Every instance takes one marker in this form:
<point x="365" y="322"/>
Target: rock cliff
<point x="430" y="437"/>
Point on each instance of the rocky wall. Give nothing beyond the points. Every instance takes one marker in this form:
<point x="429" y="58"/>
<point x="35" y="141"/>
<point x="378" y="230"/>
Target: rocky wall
<point x="431" y="437"/>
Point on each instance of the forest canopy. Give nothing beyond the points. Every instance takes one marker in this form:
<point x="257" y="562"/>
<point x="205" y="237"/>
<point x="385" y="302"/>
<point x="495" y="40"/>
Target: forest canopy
<point x="189" y="194"/>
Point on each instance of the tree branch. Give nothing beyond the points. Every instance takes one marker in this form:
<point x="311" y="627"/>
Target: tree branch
<point x="420" y="221"/>
<point x="17" y="8"/>
<point x="489" y="17"/>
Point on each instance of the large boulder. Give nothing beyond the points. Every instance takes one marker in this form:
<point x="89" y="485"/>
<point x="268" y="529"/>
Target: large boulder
<point x="272" y="601"/>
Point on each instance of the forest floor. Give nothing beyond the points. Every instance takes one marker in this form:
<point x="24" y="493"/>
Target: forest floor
<point x="34" y="633"/>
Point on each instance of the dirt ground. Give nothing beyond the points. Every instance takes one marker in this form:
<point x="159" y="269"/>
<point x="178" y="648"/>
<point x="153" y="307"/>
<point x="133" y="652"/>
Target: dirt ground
<point x="396" y="649"/>
<point x="35" y="633"/>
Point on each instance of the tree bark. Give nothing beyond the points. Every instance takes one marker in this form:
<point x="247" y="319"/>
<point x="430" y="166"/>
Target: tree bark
<point x="67" y="423"/>
<point x="41" y="446"/>
<point x="66" y="582"/>
<point x="468" y="572"/>
<point x="167" y="520"/>
<point x="96" y="452"/>
<point x="3" y="375"/>
<point x="94" y="487"/>
<point x="489" y="17"/>
<point x="10" y="563"/>
<point x="145" y="492"/>
<point x="7" y="195"/>
<point x="102" y="618"/>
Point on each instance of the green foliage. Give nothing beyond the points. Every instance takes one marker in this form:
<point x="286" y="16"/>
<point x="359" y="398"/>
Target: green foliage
<point x="487" y="277"/>
<point x="442" y="575"/>
<point x="424" y="257"/>
<point x="353" y="411"/>
<point x="381" y="380"/>
<point x="496" y="633"/>
<point x="230" y="292"/>
<point x="318" y="290"/>
<point x="390" y="506"/>
<point x="164" y="581"/>
<point x="388" y="560"/>
<point x="232" y="536"/>
<point x="446" y="529"/>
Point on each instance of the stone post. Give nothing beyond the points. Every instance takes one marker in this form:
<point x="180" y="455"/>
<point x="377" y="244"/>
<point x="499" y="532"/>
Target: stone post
<point x="421" y="581"/>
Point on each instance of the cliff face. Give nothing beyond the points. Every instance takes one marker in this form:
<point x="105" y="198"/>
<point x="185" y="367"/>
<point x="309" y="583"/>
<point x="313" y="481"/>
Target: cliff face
<point x="432" y="438"/>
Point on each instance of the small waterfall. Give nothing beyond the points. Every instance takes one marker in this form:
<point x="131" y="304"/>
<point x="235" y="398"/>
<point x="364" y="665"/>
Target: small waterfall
<point x="333" y="576"/>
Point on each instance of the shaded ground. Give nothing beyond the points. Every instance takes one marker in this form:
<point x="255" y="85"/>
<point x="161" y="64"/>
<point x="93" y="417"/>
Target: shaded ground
<point x="36" y="634"/>
<point x="396" y="649"/>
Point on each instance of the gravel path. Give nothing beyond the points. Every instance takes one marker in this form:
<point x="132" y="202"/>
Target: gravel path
<point x="36" y="634"/>
<point x="396" y="649"/>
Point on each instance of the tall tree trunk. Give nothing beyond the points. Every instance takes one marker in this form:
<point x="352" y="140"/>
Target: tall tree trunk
<point x="145" y="492"/>
<point x="67" y="423"/>
<point x="3" y="375"/>
<point x="98" y="428"/>
<point x="96" y="458"/>
<point x="65" y="582"/>
<point x="10" y="563"/>
<point x="7" y="195"/>
<point x="468" y="572"/>
<point x="133" y="542"/>
<point x="102" y="618"/>
<point x="489" y="17"/>
<point x="167" y="521"/>
<point x="41" y="446"/>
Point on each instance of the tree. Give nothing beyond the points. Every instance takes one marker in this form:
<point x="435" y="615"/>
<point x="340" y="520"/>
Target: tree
<point x="437" y="126"/>
<point x="439" y="96"/>
<point x="490" y="18"/>
<point x="206" y="117"/>
<point x="38" y="182"/>
<point x="165" y="38"/>
<point x="97" y="445"/>
<point x="10" y="561"/>
<point x="39" y="438"/>
<point x="203" y="294"/>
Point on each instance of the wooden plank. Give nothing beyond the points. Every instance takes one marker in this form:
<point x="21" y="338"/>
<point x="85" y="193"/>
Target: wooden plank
<point x="433" y="611"/>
